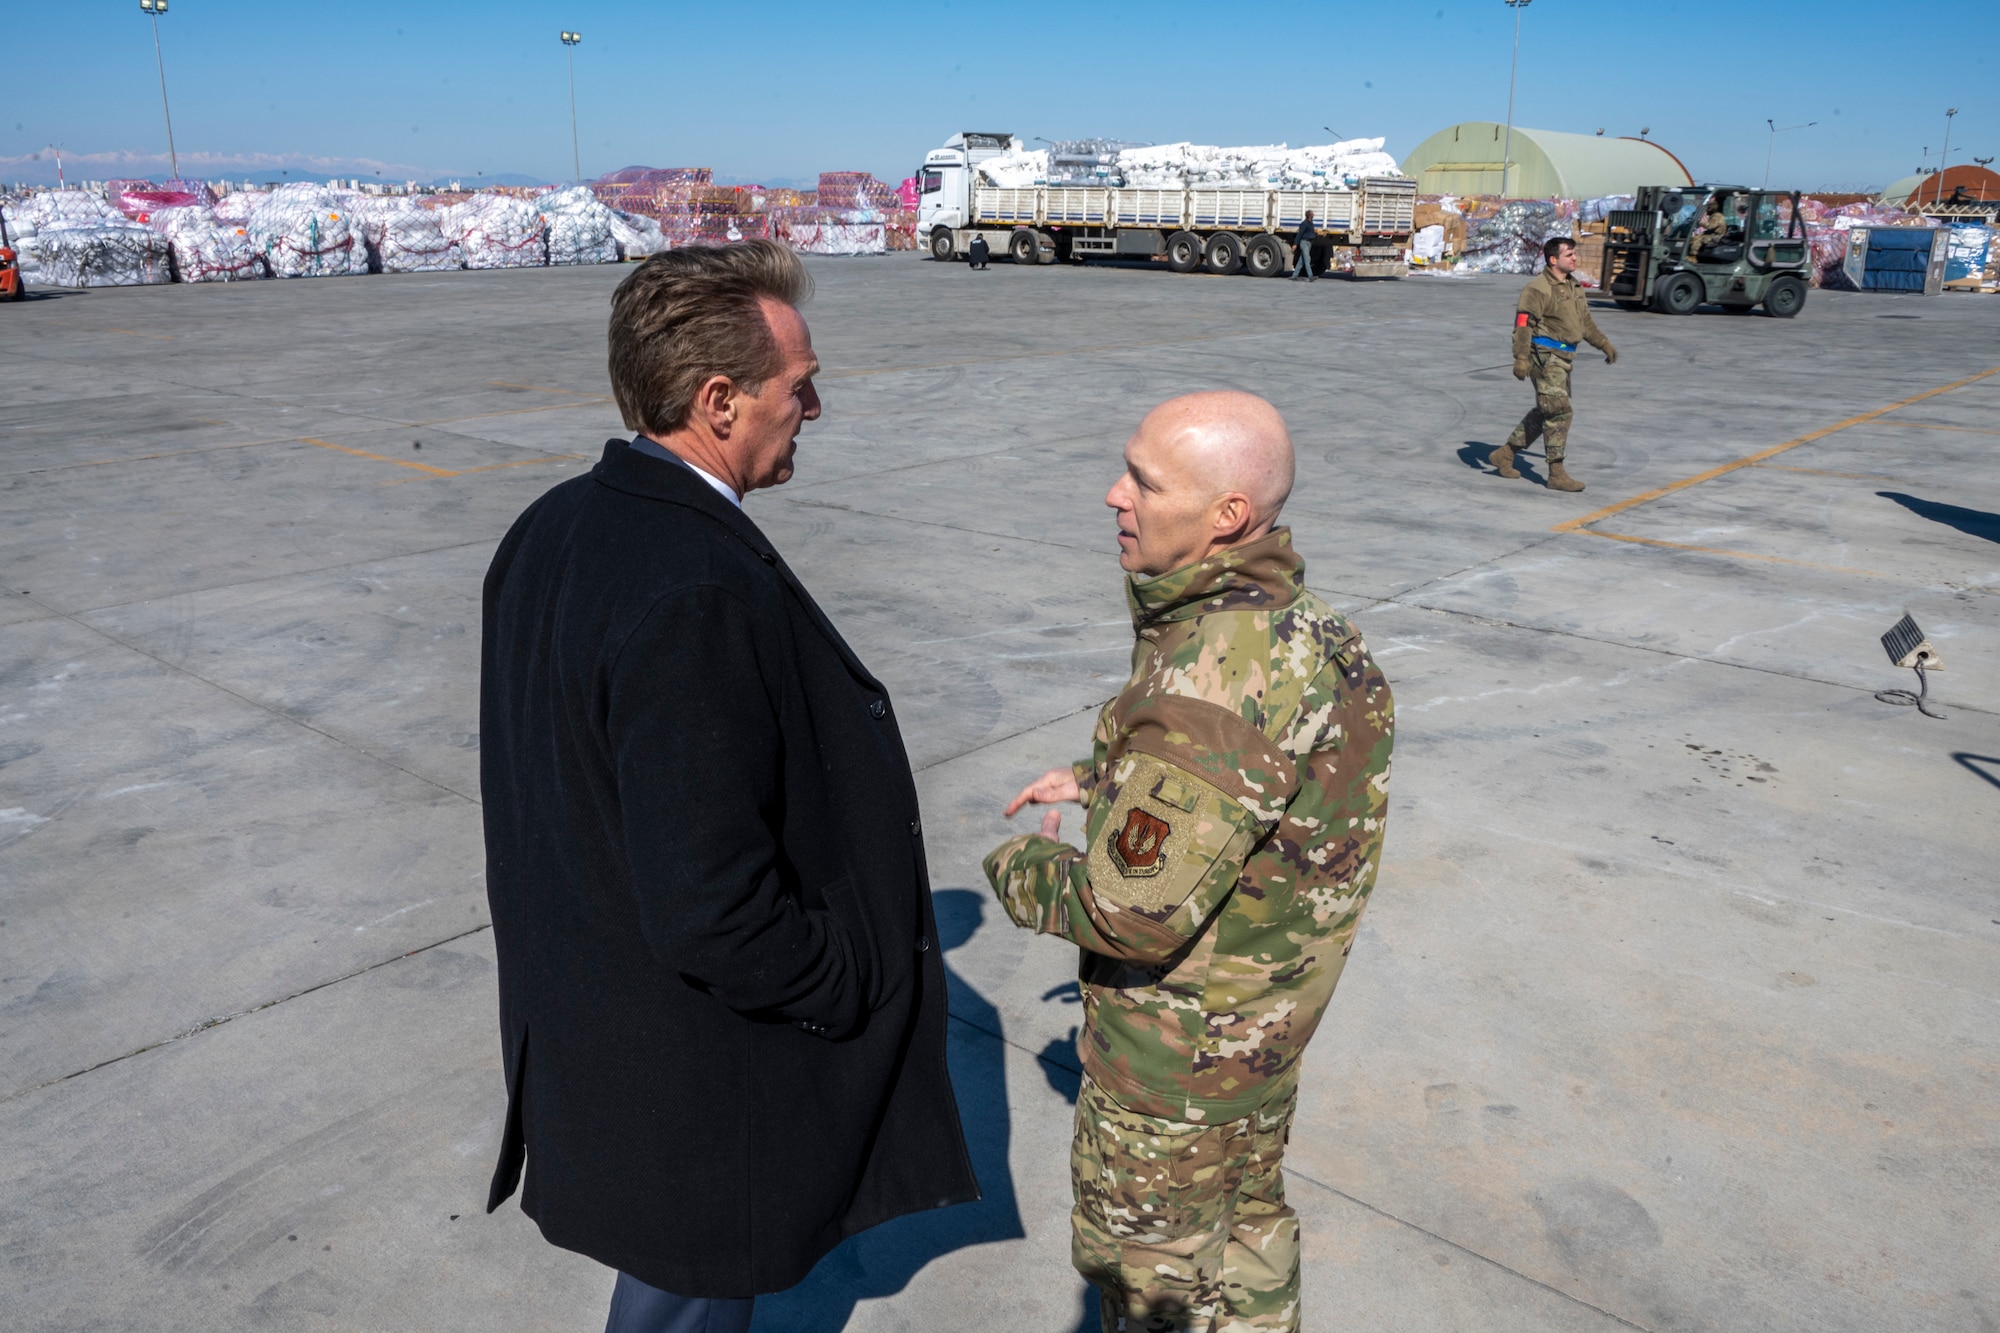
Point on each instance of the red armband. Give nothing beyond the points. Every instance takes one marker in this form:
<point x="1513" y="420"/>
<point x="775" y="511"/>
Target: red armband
<point x="1520" y="319"/>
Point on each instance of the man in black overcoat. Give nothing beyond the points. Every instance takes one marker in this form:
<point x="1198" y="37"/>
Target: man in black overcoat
<point x="722" y="1006"/>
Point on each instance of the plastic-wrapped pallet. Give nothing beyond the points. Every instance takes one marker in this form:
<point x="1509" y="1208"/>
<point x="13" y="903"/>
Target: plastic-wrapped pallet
<point x="104" y="253"/>
<point x="414" y="240"/>
<point x="1510" y="241"/>
<point x="1016" y="171"/>
<point x="637" y="235"/>
<point x="60" y="208"/>
<point x="238" y="205"/>
<point x="305" y="231"/>
<point x="205" y="249"/>
<point x="494" y="231"/>
<point x="579" y="227"/>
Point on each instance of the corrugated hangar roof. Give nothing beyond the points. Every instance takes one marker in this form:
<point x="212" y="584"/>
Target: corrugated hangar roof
<point x="1979" y="182"/>
<point x="1547" y="164"/>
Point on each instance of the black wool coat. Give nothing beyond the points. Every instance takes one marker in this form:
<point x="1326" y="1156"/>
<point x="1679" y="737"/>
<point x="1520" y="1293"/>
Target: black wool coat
<point x="722" y="1005"/>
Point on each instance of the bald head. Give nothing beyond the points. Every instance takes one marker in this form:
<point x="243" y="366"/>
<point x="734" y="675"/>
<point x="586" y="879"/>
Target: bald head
<point x="1203" y="472"/>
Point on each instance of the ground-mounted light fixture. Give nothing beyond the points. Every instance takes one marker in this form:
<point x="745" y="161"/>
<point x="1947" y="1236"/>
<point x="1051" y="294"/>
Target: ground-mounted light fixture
<point x="1907" y="647"/>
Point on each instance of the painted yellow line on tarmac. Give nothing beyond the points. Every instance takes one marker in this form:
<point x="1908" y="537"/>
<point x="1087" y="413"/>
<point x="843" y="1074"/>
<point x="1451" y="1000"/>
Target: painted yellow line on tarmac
<point x="1717" y="550"/>
<point x="1578" y="524"/>
<point x="380" y="458"/>
<point x="518" y="411"/>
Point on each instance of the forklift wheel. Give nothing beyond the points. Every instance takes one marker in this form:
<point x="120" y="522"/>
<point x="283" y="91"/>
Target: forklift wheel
<point x="1678" y="294"/>
<point x="1785" y="297"/>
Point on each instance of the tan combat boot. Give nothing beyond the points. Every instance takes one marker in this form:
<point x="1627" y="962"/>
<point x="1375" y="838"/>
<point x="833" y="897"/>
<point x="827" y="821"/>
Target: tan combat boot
<point x="1503" y="460"/>
<point x="1560" y="479"/>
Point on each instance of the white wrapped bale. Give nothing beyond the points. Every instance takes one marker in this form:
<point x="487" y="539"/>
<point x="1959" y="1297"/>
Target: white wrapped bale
<point x="637" y="235"/>
<point x="1016" y="170"/>
<point x="305" y="231"/>
<point x="104" y="253"/>
<point x="63" y="208"/>
<point x="414" y="240"/>
<point x="206" y="249"/>
<point x="238" y="205"/>
<point x="580" y="230"/>
<point x="494" y="231"/>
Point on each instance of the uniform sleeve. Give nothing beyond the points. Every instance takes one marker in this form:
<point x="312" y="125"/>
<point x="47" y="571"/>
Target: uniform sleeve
<point x="696" y="743"/>
<point x="1165" y="848"/>
<point x="1085" y="773"/>
<point x="1591" y="333"/>
<point x="1527" y="316"/>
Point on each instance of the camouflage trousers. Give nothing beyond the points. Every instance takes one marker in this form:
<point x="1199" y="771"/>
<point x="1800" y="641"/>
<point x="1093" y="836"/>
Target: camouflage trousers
<point x="1550" y="416"/>
<point x="1184" y="1227"/>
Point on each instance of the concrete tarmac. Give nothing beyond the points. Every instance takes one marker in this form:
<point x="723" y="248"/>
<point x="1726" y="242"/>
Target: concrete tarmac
<point x="1678" y="1004"/>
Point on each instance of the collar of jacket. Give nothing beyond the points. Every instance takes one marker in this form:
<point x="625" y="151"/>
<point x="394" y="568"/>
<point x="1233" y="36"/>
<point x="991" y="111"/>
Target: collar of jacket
<point x="624" y="468"/>
<point x="1266" y="573"/>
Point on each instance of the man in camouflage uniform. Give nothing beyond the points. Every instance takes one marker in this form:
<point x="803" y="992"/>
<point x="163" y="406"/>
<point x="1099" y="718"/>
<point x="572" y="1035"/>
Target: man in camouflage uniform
<point x="1235" y="799"/>
<point x="1552" y="317"/>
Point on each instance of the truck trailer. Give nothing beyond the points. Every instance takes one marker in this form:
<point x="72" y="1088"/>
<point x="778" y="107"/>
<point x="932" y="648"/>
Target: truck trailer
<point x="1214" y="231"/>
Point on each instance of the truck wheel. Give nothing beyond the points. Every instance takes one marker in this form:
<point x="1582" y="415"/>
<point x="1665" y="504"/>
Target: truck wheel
<point x="1785" y="297"/>
<point x="1224" y="253"/>
<point x="941" y="244"/>
<point x="1183" y="252"/>
<point x="1024" y="247"/>
<point x="1678" y="294"/>
<point x="1268" y="257"/>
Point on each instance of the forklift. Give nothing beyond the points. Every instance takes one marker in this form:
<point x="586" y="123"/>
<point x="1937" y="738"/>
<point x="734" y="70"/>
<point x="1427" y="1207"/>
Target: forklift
<point x="13" y="287"/>
<point x="1680" y="246"/>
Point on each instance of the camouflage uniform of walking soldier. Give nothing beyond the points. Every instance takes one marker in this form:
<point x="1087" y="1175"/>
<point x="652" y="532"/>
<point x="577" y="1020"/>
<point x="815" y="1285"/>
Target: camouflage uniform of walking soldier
<point x="1235" y="800"/>
<point x="1552" y="318"/>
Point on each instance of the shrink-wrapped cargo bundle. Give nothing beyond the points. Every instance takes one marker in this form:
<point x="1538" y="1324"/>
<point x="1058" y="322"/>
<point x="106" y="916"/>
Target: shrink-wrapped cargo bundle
<point x="59" y="208"/>
<point x="494" y="231"/>
<point x="637" y="235"/>
<point x="579" y="227"/>
<point x="238" y="205"/>
<point x="205" y="249"/>
<point x="413" y="240"/>
<point x="102" y="253"/>
<point x="305" y="231"/>
<point x="1510" y="241"/>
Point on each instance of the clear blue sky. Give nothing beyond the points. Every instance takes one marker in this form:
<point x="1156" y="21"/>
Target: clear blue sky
<point x="784" y="90"/>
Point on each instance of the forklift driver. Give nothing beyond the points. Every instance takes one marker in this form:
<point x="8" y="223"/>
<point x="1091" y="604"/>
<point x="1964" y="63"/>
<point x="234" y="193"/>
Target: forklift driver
<point x="1713" y="227"/>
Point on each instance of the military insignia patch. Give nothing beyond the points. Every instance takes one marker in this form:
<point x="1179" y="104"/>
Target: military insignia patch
<point x="1137" y="847"/>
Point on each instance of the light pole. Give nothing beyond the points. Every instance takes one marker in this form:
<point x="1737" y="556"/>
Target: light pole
<point x="569" y="41"/>
<point x="1507" y="151"/>
<point x="1772" y="143"/>
<point x="155" y="8"/>
<point x="1943" y="154"/>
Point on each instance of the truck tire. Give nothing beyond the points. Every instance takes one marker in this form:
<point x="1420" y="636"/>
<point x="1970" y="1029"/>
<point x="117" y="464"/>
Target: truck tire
<point x="1224" y="253"/>
<point x="1678" y="294"/>
<point x="941" y="245"/>
<point x="1024" y="247"/>
<point x="1785" y="297"/>
<point x="1268" y="257"/>
<point x="1183" y="252"/>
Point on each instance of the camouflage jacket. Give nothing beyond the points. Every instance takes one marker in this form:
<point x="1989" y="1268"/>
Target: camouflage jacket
<point x="1554" y="306"/>
<point x="1235" y="804"/>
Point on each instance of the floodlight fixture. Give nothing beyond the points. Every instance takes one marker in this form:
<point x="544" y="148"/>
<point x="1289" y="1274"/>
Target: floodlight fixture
<point x="1907" y="647"/>
<point x="570" y="41"/>
<point x="1944" y="152"/>
<point x="153" y="9"/>
<point x="1770" y="144"/>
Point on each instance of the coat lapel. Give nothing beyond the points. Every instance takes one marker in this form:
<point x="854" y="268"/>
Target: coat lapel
<point x="626" y="469"/>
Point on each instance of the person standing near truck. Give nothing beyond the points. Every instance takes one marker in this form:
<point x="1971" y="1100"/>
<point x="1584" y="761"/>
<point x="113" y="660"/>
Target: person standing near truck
<point x="1552" y="318"/>
<point x="1306" y="235"/>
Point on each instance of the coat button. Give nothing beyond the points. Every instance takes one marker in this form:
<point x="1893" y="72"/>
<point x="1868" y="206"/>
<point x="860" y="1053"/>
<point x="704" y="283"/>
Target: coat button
<point x="876" y="708"/>
<point x="768" y="557"/>
<point x="916" y="827"/>
<point x="923" y="944"/>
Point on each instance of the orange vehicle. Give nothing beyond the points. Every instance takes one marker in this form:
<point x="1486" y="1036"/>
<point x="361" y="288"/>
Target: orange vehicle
<point x="13" y="287"/>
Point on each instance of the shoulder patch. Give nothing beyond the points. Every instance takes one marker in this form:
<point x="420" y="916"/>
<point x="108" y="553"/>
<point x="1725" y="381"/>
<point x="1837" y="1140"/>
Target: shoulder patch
<point x="1138" y="847"/>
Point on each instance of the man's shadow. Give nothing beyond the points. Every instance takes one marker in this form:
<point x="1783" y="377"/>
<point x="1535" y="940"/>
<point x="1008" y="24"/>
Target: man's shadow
<point x="1478" y="456"/>
<point x="1971" y="522"/>
<point x="880" y="1262"/>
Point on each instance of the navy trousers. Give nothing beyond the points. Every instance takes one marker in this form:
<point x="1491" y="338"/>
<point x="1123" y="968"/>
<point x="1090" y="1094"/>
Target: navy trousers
<point x="638" y="1308"/>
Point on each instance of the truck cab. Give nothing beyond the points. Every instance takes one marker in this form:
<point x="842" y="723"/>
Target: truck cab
<point x="944" y="181"/>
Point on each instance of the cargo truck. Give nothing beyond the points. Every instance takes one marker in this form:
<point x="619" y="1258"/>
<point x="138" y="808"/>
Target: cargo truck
<point x="1191" y="230"/>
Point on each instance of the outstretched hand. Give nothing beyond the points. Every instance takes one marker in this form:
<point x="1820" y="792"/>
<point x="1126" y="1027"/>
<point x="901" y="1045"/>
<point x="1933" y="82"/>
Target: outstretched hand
<point x="1056" y="785"/>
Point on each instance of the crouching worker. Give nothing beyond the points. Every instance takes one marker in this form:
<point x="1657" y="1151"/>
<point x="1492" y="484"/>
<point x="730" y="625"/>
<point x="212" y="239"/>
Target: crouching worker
<point x="1234" y="804"/>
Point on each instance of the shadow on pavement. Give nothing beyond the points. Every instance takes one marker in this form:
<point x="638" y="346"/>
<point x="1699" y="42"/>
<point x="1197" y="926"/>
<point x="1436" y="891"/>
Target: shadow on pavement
<point x="1971" y="522"/>
<point x="1971" y="764"/>
<point x="1478" y="455"/>
<point x="880" y="1262"/>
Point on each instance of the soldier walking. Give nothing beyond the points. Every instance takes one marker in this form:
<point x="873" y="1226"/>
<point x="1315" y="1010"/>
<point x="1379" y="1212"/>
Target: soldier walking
<point x="1234" y="805"/>
<point x="1552" y="318"/>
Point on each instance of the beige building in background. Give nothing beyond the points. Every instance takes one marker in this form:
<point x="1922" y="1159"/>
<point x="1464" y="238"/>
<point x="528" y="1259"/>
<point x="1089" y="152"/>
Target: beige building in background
<point x="1547" y="164"/>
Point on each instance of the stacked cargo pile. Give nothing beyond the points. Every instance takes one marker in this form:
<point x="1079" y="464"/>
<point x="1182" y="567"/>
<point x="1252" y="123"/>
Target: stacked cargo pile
<point x="496" y="231"/>
<point x="307" y="231"/>
<point x="1177" y="166"/>
<point x="76" y="239"/>
<point x="204" y="249"/>
<point x="579" y="227"/>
